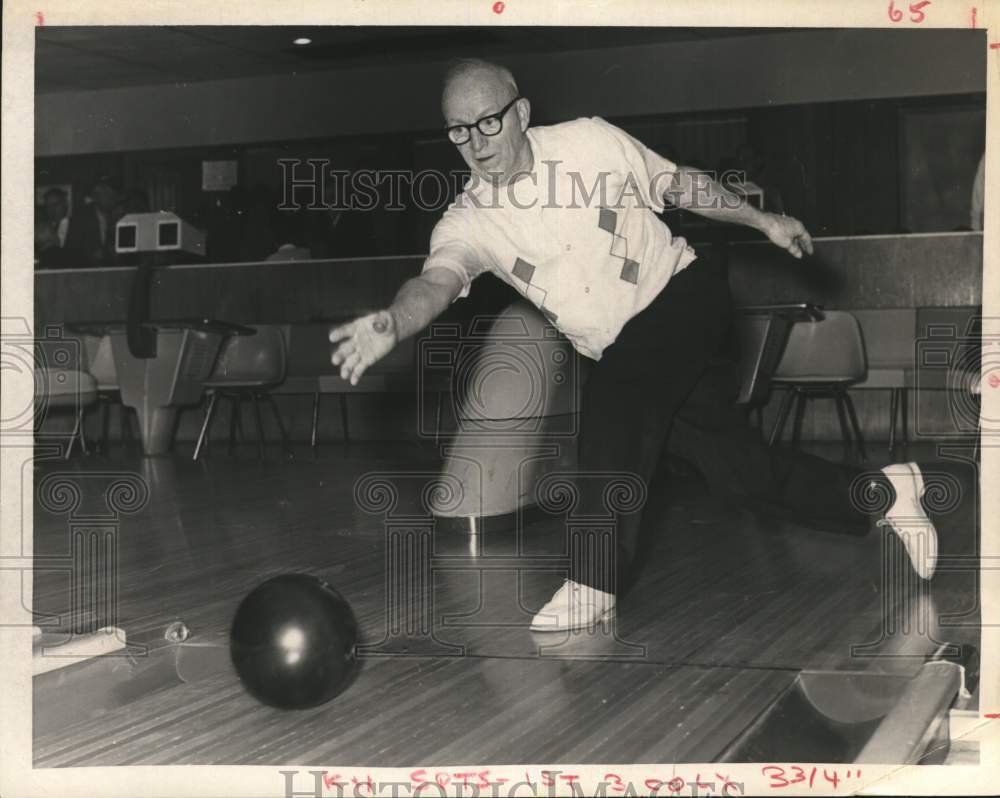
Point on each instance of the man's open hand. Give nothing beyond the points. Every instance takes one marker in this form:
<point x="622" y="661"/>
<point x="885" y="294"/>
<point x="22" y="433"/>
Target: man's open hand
<point x="361" y="343"/>
<point x="789" y="234"/>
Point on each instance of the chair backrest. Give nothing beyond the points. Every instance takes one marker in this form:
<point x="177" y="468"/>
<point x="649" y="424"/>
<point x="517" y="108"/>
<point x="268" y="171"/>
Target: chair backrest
<point x="101" y="361"/>
<point x="55" y="387"/>
<point x="760" y="341"/>
<point x="831" y="350"/>
<point x="252" y="359"/>
<point x="889" y="336"/>
<point x="56" y="347"/>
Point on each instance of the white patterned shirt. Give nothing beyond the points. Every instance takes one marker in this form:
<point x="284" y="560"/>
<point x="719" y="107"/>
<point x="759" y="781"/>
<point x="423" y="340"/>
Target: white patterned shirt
<point x="578" y="236"/>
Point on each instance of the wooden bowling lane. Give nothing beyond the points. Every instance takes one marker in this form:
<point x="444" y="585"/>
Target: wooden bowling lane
<point x="726" y="612"/>
<point x="808" y="599"/>
<point x="407" y="711"/>
<point x="210" y="533"/>
<point x="723" y="587"/>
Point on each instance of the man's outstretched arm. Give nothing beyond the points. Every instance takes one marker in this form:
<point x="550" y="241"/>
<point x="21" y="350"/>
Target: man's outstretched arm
<point x="419" y="301"/>
<point x="696" y="191"/>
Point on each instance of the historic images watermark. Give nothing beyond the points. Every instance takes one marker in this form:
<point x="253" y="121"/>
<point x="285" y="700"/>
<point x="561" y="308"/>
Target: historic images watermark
<point x="48" y="423"/>
<point x="311" y="184"/>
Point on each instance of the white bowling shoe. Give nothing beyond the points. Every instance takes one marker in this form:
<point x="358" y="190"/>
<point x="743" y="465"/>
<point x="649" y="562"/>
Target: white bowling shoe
<point x="908" y="520"/>
<point x="574" y="606"/>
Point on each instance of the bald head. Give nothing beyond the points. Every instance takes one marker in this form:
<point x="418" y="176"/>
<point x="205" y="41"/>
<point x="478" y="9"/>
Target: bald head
<point x="474" y="90"/>
<point x="466" y="72"/>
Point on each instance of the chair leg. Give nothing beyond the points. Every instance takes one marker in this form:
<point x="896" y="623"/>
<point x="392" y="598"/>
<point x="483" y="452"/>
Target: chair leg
<point x="125" y="424"/>
<point x="859" y="438"/>
<point x="205" y="424"/>
<point x="69" y="444"/>
<point x="845" y="433"/>
<point x="759" y="414"/>
<point x="234" y="420"/>
<point x="893" y="413"/>
<point x="83" y="430"/>
<point x="277" y="418"/>
<point x="73" y="435"/>
<point x="343" y="417"/>
<point x="260" y="425"/>
<point x="105" y="423"/>
<point x="800" y="411"/>
<point x="315" y="420"/>
<point x="779" y="422"/>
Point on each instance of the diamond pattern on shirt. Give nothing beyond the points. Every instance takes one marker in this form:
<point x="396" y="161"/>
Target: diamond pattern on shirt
<point x="607" y="220"/>
<point x="630" y="271"/>
<point x="524" y="271"/>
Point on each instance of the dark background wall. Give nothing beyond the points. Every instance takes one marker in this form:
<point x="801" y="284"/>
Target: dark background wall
<point x="758" y="70"/>
<point x="844" y="168"/>
<point x="856" y="131"/>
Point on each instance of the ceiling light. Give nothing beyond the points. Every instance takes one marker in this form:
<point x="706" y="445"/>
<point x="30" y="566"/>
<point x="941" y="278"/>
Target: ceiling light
<point x="302" y="41"/>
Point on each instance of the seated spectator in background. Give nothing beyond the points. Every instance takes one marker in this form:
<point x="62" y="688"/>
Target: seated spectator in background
<point x="51" y="228"/>
<point x="91" y="233"/>
<point x="288" y="227"/>
<point x="46" y="240"/>
<point x="57" y="213"/>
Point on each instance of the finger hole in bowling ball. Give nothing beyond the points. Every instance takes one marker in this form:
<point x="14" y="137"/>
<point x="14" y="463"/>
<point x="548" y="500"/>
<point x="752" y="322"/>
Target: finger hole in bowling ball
<point x="292" y="642"/>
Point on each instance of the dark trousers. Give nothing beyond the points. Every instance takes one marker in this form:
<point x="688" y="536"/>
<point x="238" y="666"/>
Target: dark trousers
<point x="666" y="384"/>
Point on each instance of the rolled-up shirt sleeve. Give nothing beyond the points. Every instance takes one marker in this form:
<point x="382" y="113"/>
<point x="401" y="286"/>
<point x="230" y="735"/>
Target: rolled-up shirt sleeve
<point x="453" y="248"/>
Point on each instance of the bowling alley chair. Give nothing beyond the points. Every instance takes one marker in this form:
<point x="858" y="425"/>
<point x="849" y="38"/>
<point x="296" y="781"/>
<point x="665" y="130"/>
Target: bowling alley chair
<point x="101" y="365"/>
<point x="310" y="371"/>
<point x="822" y="359"/>
<point x="61" y="383"/>
<point x="760" y="333"/>
<point x="889" y="335"/>
<point x="69" y="389"/>
<point x="249" y="366"/>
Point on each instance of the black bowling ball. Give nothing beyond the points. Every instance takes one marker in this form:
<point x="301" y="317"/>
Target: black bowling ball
<point x="292" y="641"/>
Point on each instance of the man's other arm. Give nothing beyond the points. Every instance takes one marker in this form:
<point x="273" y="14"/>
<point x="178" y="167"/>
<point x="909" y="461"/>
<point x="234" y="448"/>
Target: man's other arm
<point x="696" y="191"/>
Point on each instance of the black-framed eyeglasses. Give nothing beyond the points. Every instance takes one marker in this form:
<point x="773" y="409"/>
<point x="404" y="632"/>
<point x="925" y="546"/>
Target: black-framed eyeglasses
<point x="489" y="125"/>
